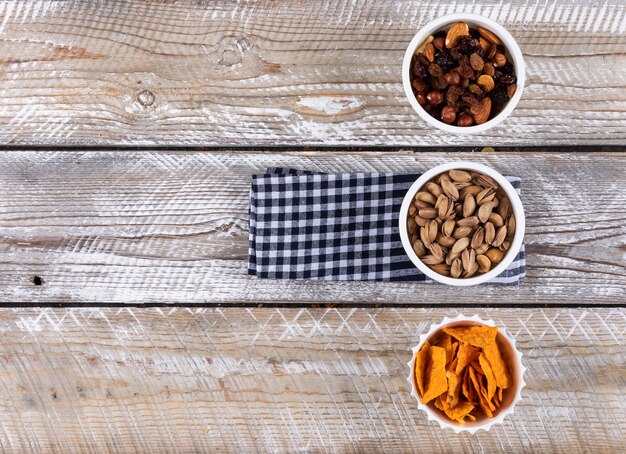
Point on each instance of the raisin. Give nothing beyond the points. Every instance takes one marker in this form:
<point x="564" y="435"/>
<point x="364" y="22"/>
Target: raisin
<point x="467" y="45"/>
<point x="508" y="79"/>
<point x="445" y="60"/>
<point x="420" y="71"/>
<point x="466" y="71"/>
<point x="500" y="95"/>
<point x="435" y="70"/>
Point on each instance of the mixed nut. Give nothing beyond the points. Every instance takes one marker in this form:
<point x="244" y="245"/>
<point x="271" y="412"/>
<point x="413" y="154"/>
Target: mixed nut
<point x="461" y="223"/>
<point x="463" y="76"/>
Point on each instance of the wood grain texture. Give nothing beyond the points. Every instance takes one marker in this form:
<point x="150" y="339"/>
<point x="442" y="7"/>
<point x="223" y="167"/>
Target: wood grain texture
<point x="172" y="227"/>
<point x="266" y="72"/>
<point x="288" y="380"/>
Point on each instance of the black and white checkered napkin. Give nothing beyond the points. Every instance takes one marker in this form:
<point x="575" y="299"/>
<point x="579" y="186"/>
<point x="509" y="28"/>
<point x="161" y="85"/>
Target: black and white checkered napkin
<point x="306" y="225"/>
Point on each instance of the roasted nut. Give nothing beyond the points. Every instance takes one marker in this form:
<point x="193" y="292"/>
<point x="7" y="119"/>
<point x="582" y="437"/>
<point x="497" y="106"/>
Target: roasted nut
<point x="434" y="98"/>
<point x="434" y="189"/>
<point x="450" y="189"/>
<point x="428" y="213"/>
<point x="456" y="31"/>
<point x="419" y="248"/>
<point x="481" y="110"/>
<point x="499" y="60"/>
<point x="495" y="255"/>
<point x="510" y="90"/>
<point x="486" y="83"/>
<point x="429" y="51"/>
<point x="448" y="115"/>
<point x="496" y="219"/>
<point x="484" y="264"/>
<point x="426" y="197"/>
<point x="500" y="236"/>
<point x="469" y="206"/>
<point x="421" y="98"/>
<point x="460" y="176"/>
<point x="452" y="78"/>
<point x="489" y="36"/>
<point x="456" y="268"/>
<point x="465" y="120"/>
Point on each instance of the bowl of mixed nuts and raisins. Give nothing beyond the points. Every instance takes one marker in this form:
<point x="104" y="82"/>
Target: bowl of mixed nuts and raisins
<point x="463" y="73"/>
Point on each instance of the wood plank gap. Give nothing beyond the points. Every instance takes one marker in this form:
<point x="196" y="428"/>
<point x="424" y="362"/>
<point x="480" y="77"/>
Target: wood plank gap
<point x="312" y="148"/>
<point x="312" y="305"/>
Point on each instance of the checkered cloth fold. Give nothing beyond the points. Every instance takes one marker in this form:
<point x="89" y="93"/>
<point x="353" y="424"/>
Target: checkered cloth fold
<point x="306" y="225"/>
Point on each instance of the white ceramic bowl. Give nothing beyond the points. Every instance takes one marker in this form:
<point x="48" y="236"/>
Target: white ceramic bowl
<point x="510" y="396"/>
<point x="518" y="211"/>
<point x="513" y="52"/>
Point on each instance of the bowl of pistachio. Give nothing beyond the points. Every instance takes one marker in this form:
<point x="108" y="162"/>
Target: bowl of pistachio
<point x="462" y="223"/>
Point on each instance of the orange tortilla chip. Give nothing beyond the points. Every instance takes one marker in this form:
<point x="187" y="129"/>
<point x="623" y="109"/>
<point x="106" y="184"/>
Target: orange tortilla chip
<point x="491" y="379"/>
<point x="455" y="348"/>
<point x="454" y="388"/>
<point x="500" y="394"/>
<point x="452" y="366"/>
<point x="464" y="355"/>
<point x="478" y="336"/>
<point x="442" y="404"/>
<point x="476" y="366"/>
<point x="484" y="405"/>
<point x="446" y="343"/>
<point x="500" y="370"/>
<point x="420" y="366"/>
<point x="435" y="378"/>
<point x="460" y="411"/>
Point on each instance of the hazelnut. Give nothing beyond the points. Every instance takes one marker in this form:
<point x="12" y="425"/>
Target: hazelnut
<point x="465" y="120"/>
<point x="499" y="59"/>
<point x="448" y="115"/>
<point x="439" y="43"/>
<point x="421" y="98"/>
<point x="453" y="78"/>
<point x="434" y="97"/>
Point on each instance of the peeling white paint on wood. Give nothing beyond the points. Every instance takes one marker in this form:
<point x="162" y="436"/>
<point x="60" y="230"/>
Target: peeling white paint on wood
<point x="137" y="380"/>
<point x="319" y="72"/>
<point x="172" y="227"/>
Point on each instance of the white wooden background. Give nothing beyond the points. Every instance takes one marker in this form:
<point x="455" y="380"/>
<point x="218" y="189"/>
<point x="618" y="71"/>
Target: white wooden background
<point x="109" y="232"/>
<point x="290" y="380"/>
<point x="288" y="72"/>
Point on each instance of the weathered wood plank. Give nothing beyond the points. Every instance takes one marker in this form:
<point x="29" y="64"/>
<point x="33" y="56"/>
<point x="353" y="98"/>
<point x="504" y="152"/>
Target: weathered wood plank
<point x="171" y="227"/>
<point x="325" y="72"/>
<point x="321" y="380"/>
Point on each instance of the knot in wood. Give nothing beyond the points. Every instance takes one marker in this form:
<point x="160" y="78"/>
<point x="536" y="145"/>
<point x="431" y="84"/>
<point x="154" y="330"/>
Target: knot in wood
<point x="145" y="98"/>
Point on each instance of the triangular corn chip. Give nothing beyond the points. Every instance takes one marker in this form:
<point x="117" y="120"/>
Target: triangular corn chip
<point x="435" y="378"/>
<point x="500" y="370"/>
<point x="478" y="336"/>
<point x="420" y="366"/>
<point x="491" y="379"/>
<point x="464" y="355"/>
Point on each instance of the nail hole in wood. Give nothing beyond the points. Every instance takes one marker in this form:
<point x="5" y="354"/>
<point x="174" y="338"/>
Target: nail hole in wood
<point x="37" y="280"/>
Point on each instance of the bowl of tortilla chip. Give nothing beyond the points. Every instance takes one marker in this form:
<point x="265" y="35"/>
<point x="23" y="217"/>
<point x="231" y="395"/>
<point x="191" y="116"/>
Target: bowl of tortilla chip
<point x="466" y="374"/>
